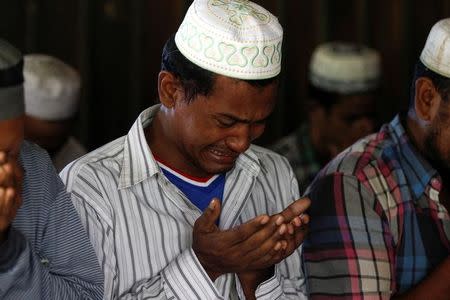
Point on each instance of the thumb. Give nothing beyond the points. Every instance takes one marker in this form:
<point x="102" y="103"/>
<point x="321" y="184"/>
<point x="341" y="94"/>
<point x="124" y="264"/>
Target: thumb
<point x="210" y="215"/>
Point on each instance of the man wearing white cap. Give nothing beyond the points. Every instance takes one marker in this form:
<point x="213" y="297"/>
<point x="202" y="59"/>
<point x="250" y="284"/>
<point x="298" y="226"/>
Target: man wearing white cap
<point x="342" y="84"/>
<point x="44" y="251"/>
<point x="380" y="223"/>
<point x="146" y="197"/>
<point x="52" y="94"/>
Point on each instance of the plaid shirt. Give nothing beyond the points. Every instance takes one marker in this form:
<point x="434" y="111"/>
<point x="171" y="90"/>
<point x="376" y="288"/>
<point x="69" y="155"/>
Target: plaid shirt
<point x="377" y="227"/>
<point x="298" y="149"/>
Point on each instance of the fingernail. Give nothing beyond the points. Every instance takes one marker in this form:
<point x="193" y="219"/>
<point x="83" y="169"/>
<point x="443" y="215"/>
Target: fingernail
<point x="264" y="220"/>
<point x="212" y="204"/>
<point x="279" y="220"/>
<point x="277" y="246"/>
<point x="291" y="230"/>
<point x="282" y="229"/>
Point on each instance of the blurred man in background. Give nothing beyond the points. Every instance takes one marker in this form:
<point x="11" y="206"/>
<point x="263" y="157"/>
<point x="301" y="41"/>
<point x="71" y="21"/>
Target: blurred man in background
<point x="380" y="223"/>
<point x="52" y="95"/>
<point x="44" y="251"/>
<point x="342" y="85"/>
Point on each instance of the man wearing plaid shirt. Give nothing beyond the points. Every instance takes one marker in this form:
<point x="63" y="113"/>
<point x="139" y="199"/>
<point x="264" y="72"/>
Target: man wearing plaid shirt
<point x="380" y="226"/>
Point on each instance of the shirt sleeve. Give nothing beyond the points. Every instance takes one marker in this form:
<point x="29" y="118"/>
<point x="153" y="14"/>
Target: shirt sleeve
<point x="349" y="253"/>
<point x="182" y="278"/>
<point x="60" y="263"/>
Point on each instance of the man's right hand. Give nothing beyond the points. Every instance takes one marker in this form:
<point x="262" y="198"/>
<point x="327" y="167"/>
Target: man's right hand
<point x="10" y="192"/>
<point x="256" y="245"/>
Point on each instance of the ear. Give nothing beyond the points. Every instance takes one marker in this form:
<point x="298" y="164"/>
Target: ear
<point x="169" y="89"/>
<point x="427" y="99"/>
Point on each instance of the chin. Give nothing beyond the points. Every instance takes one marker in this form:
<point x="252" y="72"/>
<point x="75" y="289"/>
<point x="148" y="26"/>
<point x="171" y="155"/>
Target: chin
<point x="216" y="168"/>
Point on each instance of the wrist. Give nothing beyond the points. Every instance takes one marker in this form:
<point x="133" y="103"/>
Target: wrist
<point x="211" y="273"/>
<point x="252" y="279"/>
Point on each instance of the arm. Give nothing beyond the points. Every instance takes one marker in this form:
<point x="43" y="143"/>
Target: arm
<point x="348" y="253"/>
<point x="60" y="263"/>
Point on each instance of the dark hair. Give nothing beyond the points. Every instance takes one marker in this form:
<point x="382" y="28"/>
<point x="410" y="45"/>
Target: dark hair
<point x="328" y="99"/>
<point x="322" y="97"/>
<point x="194" y="79"/>
<point x="441" y="83"/>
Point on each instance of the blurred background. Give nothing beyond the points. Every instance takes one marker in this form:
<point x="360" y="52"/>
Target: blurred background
<point x="116" y="45"/>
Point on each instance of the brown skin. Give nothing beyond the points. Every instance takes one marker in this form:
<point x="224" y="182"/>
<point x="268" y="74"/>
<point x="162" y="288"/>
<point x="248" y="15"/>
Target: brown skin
<point x="205" y="137"/>
<point x="333" y="130"/>
<point x="11" y="132"/>
<point x="428" y="126"/>
<point x="50" y="135"/>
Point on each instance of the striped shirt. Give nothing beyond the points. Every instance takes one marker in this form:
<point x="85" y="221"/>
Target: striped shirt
<point x="47" y="254"/>
<point x="141" y="224"/>
<point x="377" y="226"/>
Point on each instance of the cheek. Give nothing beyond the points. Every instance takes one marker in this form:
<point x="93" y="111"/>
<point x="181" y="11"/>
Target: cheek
<point x="256" y="131"/>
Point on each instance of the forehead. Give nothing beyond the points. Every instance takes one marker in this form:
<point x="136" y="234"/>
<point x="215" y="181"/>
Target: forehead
<point x="357" y="102"/>
<point x="239" y="94"/>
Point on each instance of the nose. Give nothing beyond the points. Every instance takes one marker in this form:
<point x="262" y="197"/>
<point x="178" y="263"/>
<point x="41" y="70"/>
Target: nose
<point x="240" y="139"/>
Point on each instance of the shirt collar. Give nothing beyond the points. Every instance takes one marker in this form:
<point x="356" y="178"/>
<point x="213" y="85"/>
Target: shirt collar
<point x="416" y="168"/>
<point x="139" y="164"/>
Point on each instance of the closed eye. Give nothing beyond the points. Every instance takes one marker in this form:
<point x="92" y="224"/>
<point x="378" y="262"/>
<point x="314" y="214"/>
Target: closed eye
<point x="225" y="123"/>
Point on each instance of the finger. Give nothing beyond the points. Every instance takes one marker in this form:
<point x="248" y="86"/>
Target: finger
<point x="295" y="209"/>
<point x="290" y="228"/>
<point x="305" y="218"/>
<point x="2" y="157"/>
<point x="6" y="200"/>
<point x="296" y="240"/>
<point x="208" y="219"/>
<point x="6" y="174"/>
<point x="268" y="239"/>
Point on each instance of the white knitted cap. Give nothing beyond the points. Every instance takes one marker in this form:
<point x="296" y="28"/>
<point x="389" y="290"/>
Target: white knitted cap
<point x="436" y="53"/>
<point x="344" y="68"/>
<point x="52" y="88"/>
<point x="234" y="38"/>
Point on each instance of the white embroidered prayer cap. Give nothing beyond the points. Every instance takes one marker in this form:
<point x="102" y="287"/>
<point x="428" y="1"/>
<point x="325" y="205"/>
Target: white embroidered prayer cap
<point x="436" y="53"/>
<point x="11" y="82"/>
<point x="52" y="88"/>
<point x="234" y="38"/>
<point x="344" y="68"/>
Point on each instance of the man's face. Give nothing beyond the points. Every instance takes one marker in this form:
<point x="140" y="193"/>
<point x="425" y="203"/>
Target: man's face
<point x="11" y="137"/>
<point x="211" y="132"/>
<point x="350" y="119"/>
<point x="50" y="135"/>
<point x="437" y="141"/>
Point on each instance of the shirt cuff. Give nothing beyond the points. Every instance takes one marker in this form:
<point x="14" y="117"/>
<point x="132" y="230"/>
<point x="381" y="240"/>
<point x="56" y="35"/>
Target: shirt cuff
<point x="185" y="278"/>
<point x="11" y="249"/>
<point x="269" y="289"/>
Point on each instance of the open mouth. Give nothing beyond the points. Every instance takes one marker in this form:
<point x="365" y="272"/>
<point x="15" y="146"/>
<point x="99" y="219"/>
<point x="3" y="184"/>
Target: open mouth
<point x="223" y="156"/>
